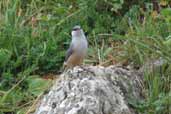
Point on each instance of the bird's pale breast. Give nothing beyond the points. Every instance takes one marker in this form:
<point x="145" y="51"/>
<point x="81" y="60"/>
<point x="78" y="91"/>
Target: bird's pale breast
<point x="74" y="60"/>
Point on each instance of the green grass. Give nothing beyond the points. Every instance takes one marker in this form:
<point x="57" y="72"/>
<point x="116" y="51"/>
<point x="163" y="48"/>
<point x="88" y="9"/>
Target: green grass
<point x="146" y="42"/>
<point x="34" y="35"/>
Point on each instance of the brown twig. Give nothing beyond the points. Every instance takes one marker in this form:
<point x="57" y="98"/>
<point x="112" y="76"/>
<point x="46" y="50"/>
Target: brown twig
<point x="9" y="91"/>
<point x="33" y="106"/>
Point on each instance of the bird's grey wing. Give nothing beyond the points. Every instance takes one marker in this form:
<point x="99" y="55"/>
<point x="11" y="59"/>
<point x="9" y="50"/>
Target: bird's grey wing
<point x="69" y="52"/>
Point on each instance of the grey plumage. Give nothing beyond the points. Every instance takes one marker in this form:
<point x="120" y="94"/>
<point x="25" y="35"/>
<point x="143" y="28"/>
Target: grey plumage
<point x="78" y="48"/>
<point x="69" y="52"/>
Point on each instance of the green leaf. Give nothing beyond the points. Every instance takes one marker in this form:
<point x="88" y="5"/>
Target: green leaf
<point x="37" y="85"/>
<point x="107" y="51"/>
<point x="166" y="12"/>
<point x="168" y="41"/>
<point x="60" y="10"/>
<point x="5" y="56"/>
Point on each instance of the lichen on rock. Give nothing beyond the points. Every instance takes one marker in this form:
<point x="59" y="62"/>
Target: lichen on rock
<point x="91" y="90"/>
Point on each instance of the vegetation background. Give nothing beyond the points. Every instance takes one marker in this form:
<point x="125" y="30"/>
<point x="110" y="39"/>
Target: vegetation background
<point x="34" y="35"/>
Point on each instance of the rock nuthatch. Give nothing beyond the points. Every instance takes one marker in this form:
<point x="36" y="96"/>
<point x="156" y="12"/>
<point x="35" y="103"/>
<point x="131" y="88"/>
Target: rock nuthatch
<point x="78" y="48"/>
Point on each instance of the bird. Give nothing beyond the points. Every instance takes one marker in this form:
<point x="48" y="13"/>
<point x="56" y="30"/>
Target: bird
<point x="77" y="49"/>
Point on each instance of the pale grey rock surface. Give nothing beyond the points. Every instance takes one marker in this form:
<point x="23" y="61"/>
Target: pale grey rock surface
<point x="96" y="90"/>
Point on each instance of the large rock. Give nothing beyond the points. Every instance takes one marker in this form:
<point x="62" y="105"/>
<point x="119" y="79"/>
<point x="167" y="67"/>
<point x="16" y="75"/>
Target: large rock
<point x="92" y="90"/>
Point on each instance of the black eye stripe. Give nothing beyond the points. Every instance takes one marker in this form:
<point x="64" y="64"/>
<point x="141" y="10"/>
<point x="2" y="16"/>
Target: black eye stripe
<point x="75" y="29"/>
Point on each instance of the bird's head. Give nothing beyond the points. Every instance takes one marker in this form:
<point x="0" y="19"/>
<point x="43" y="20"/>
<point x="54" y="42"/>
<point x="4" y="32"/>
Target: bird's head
<point x="77" y="31"/>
